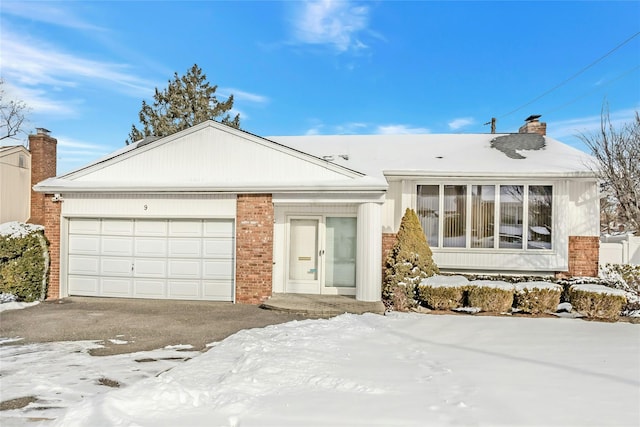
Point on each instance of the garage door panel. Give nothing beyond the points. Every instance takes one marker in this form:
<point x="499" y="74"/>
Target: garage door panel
<point x="117" y="246"/>
<point x="117" y="226"/>
<point x="85" y="285"/>
<point x="183" y="289"/>
<point x="116" y="287"/>
<point x="218" y="248"/>
<point x="217" y="269"/>
<point x="88" y="245"/>
<point x="147" y="288"/>
<point x="152" y="258"/>
<point x="84" y="226"/>
<point x="151" y="227"/>
<point x="115" y="266"/>
<point x="150" y="247"/>
<point x="218" y="228"/>
<point x="85" y="265"/>
<point x="216" y="290"/>
<point x="150" y="268"/>
<point x="185" y="248"/>
<point x="184" y="268"/>
<point x="185" y="228"/>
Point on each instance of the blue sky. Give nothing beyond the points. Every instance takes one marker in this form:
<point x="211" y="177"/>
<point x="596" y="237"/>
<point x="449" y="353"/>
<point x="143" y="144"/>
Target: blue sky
<point x="323" y="67"/>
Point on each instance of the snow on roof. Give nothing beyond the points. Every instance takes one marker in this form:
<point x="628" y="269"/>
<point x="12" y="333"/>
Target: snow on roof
<point x="442" y="154"/>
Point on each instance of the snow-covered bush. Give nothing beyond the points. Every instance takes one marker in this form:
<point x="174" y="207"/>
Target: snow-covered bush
<point x="597" y="301"/>
<point x="537" y="297"/>
<point x="495" y="296"/>
<point x="409" y="261"/>
<point x="442" y="292"/>
<point x="24" y="261"/>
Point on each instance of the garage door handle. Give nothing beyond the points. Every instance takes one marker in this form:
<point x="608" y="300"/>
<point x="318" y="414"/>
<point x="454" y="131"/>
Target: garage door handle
<point x="131" y="267"/>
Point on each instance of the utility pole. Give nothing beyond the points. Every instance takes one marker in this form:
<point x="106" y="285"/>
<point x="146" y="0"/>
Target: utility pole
<point x="493" y="124"/>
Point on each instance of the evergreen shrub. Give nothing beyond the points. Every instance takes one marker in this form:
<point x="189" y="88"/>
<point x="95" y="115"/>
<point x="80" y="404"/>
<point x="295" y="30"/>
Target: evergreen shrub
<point x="537" y="297"/>
<point x="442" y="292"/>
<point x="493" y="296"/>
<point x="597" y="301"/>
<point x="24" y="264"/>
<point x="409" y="262"/>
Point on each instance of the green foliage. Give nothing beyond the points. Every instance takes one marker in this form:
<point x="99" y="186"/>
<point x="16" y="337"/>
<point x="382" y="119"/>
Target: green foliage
<point x="494" y="297"/>
<point x="597" y="305"/>
<point x="441" y="297"/>
<point x="22" y="266"/>
<point x="409" y="261"/>
<point x="533" y="299"/>
<point x="187" y="101"/>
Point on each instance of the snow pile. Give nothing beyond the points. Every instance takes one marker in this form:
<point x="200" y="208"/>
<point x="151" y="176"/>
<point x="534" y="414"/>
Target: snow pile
<point x="439" y="281"/>
<point x="401" y="370"/>
<point x="15" y="305"/>
<point x="15" y="229"/>
<point x="494" y="284"/>
<point x="599" y="289"/>
<point x="537" y="285"/>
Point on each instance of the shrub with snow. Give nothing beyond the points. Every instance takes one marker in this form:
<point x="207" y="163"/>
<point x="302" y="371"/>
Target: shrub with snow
<point x="409" y="261"/>
<point x="24" y="261"/>
<point x="597" y="301"/>
<point x="442" y="292"/>
<point x="495" y="296"/>
<point x="537" y="297"/>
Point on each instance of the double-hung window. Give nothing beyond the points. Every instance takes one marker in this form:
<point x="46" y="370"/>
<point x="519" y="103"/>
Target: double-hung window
<point x="497" y="216"/>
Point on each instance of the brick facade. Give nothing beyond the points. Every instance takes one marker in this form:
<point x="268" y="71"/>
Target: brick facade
<point x="52" y="212"/>
<point x="584" y="253"/>
<point x="388" y="240"/>
<point x="43" y="165"/>
<point x="254" y="248"/>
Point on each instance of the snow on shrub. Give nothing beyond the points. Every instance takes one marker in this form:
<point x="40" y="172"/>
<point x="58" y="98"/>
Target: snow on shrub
<point x="409" y="261"/>
<point x="442" y="292"/>
<point x="597" y="301"/>
<point x="24" y="261"/>
<point x="495" y="296"/>
<point x="537" y="297"/>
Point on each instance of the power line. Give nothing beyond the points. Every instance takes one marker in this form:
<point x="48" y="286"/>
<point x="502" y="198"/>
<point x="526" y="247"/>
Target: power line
<point x="592" y="91"/>
<point x="572" y="77"/>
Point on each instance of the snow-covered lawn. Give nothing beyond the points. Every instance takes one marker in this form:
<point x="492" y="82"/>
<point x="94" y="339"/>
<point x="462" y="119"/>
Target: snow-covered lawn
<point x="395" y="370"/>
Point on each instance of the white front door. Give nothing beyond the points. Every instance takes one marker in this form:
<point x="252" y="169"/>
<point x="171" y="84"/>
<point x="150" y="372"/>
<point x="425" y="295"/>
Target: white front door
<point x="304" y="272"/>
<point x="321" y="255"/>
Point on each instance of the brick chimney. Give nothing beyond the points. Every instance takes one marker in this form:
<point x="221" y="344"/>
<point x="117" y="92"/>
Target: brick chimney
<point x="533" y="125"/>
<point x="43" y="166"/>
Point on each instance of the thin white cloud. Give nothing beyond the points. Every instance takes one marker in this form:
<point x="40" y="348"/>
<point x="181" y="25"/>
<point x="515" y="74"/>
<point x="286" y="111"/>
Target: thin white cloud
<point x="48" y="13"/>
<point x="241" y="95"/>
<point x="33" y="62"/>
<point x="400" y="129"/>
<point x="461" y="122"/>
<point x="331" y="22"/>
<point x="589" y="124"/>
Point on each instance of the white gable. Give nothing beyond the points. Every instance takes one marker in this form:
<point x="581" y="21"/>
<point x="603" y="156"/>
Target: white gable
<point x="215" y="157"/>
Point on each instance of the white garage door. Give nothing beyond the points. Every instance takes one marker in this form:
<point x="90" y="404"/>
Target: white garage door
<point x="168" y="259"/>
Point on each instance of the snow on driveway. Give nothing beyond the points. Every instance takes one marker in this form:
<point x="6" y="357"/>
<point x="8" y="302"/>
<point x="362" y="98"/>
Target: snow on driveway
<point x="396" y="370"/>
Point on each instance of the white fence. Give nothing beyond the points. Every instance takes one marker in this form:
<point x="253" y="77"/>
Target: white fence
<point x="620" y="249"/>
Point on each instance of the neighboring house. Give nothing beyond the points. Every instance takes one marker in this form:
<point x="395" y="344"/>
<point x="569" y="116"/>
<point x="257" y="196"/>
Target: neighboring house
<point x="15" y="183"/>
<point x="216" y="213"/>
<point x="20" y="168"/>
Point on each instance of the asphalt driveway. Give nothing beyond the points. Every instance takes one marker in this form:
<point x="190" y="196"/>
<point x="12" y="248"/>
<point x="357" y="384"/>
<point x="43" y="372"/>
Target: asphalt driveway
<point x="130" y="325"/>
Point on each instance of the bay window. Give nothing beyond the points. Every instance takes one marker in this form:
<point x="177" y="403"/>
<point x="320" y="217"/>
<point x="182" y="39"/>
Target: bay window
<point x="490" y="216"/>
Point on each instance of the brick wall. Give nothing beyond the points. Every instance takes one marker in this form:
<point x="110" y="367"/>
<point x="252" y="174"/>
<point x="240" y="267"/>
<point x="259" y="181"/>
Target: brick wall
<point x="584" y="252"/>
<point x="388" y="240"/>
<point x="43" y="166"/>
<point x="254" y="248"/>
<point x="52" y="232"/>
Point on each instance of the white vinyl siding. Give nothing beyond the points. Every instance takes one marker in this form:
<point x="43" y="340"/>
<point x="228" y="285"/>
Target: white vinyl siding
<point x="152" y="258"/>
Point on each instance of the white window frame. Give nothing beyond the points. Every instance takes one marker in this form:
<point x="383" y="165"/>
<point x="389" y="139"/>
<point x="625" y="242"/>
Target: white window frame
<point x="496" y="233"/>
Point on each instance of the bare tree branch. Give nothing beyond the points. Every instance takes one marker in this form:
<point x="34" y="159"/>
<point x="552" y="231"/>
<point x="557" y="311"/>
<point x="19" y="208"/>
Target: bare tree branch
<point x="12" y="115"/>
<point x="617" y="153"/>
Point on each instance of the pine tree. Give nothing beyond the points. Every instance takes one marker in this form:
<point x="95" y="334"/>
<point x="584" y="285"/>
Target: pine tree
<point x="410" y="261"/>
<point x="187" y="101"/>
